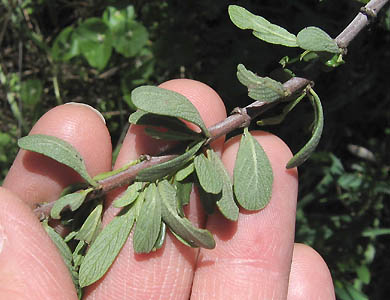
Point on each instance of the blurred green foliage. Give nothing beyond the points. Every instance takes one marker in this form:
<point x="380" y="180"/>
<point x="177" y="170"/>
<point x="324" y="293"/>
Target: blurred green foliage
<point x="52" y="52"/>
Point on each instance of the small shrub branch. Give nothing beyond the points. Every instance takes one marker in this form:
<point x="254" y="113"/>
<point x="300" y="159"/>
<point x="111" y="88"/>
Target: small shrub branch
<point x="241" y="117"/>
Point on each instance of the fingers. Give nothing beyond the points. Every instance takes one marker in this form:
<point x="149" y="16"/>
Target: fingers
<point x="36" y="178"/>
<point x="30" y="264"/>
<point x="252" y="257"/>
<point x="309" y="277"/>
<point x="167" y="273"/>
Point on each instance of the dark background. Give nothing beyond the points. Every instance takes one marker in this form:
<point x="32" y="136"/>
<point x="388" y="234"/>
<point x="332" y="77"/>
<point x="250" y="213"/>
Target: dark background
<point x="343" y="211"/>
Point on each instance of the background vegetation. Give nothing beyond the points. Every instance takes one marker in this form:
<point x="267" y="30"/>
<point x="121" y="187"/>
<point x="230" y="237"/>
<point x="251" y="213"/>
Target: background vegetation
<point x="52" y="52"/>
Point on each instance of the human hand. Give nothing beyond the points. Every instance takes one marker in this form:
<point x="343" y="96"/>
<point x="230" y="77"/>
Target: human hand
<point x="255" y="258"/>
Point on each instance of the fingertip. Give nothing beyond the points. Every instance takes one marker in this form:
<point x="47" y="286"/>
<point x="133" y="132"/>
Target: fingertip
<point x="35" y="178"/>
<point x="310" y="277"/>
<point x="30" y="262"/>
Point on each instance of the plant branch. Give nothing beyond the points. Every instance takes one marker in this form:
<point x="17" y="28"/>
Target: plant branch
<point x="241" y="117"/>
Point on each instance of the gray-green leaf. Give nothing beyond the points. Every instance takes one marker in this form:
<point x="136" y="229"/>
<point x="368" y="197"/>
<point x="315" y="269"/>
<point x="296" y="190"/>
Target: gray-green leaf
<point x="252" y="175"/>
<point x="64" y="250"/>
<point x="106" y="247"/>
<point x="148" y="224"/>
<point x="91" y="226"/>
<point x="167" y="103"/>
<point x="172" y="135"/>
<point x="208" y="177"/>
<point x="315" y="39"/>
<point x="311" y="145"/>
<point x="262" y="89"/>
<point x="73" y="201"/>
<point x="226" y="204"/>
<point x="130" y="195"/>
<point x="185" y="172"/>
<point x="182" y="227"/>
<point x="159" y="171"/>
<point x="58" y="150"/>
<point x="261" y="27"/>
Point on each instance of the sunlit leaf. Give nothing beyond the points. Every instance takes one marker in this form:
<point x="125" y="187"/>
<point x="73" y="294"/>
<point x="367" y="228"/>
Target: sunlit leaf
<point x="207" y="175"/>
<point x="160" y="171"/>
<point x="182" y="227"/>
<point x="185" y="172"/>
<point x="226" y="204"/>
<point x="91" y="226"/>
<point x="106" y="247"/>
<point x="72" y="201"/>
<point x="252" y="175"/>
<point x="315" y="39"/>
<point x="262" y="89"/>
<point x="130" y="195"/>
<point x="58" y="150"/>
<point x="261" y="27"/>
<point x="167" y="103"/>
<point x="148" y="224"/>
<point x="311" y="145"/>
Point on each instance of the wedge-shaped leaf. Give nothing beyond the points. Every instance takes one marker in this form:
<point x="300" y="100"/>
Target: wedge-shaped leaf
<point x="141" y="117"/>
<point x="167" y="103"/>
<point x="261" y="27"/>
<point x="106" y="247"/>
<point x="161" y="237"/>
<point x="183" y="193"/>
<point x="182" y="227"/>
<point x="226" y="204"/>
<point x="63" y="248"/>
<point x="148" y="224"/>
<point x="311" y="145"/>
<point x="91" y="225"/>
<point x="208" y="177"/>
<point x="252" y="175"/>
<point x="160" y="171"/>
<point x="185" y="172"/>
<point x="315" y="39"/>
<point x="172" y="135"/>
<point x="58" y="150"/>
<point x="72" y="201"/>
<point x="262" y="89"/>
<point x="130" y="195"/>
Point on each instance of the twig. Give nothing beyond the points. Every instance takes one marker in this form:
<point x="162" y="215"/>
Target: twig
<point x="240" y="117"/>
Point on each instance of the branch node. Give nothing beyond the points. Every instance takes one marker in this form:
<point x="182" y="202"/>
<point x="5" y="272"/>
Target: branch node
<point x="368" y="12"/>
<point x="242" y="111"/>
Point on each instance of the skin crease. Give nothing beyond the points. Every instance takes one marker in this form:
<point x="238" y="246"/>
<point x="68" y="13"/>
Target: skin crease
<point x="255" y="258"/>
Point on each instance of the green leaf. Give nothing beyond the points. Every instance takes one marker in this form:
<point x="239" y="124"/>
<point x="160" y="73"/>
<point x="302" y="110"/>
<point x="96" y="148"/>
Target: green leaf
<point x="129" y="36"/>
<point x="65" y="46"/>
<point x="261" y="27"/>
<point x="130" y="195"/>
<point x="148" y="224"/>
<point x="315" y="39"/>
<point x="95" y="42"/>
<point x="226" y="204"/>
<point x="311" y="145"/>
<point x="160" y="171"/>
<point x="73" y="201"/>
<point x="106" y="247"/>
<point x="208" y="177"/>
<point x="171" y="135"/>
<point x="185" y="172"/>
<point x="182" y="227"/>
<point x="79" y="253"/>
<point x="183" y="193"/>
<point x="31" y="93"/>
<point x="167" y="103"/>
<point x="252" y="175"/>
<point x="64" y="250"/>
<point x="161" y="237"/>
<point x="58" y="150"/>
<point x="262" y="89"/>
<point x="91" y="226"/>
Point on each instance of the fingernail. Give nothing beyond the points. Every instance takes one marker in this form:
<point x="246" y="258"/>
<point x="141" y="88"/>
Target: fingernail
<point x="90" y="107"/>
<point x="2" y="238"/>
